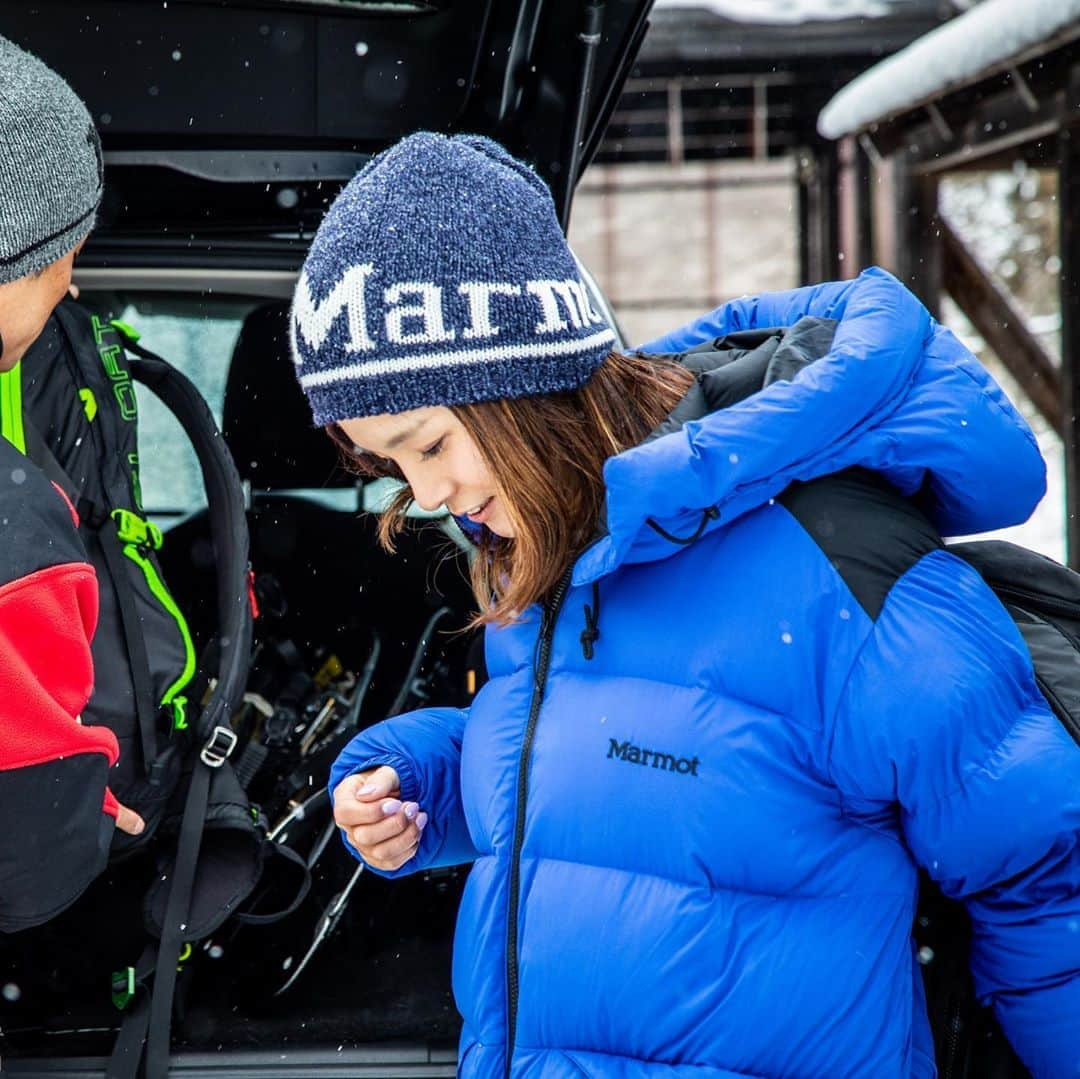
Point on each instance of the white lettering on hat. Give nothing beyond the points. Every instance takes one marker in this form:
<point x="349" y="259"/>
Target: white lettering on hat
<point x="574" y="301"/>
<point x="428" y="310"/>
<point x="564" y="305"/>
<point x="479" y="294"/>
<point x="585" y="300"/>
<point x="313" y="321"/>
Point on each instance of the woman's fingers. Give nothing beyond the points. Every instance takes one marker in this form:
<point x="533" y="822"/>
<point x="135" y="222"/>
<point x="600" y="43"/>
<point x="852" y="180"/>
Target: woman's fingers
<point x="375" y="784"/>
<point x="395" y="819"/>
<point x="358" y="799"/>
<point x="349" y="813"/>
<point x="393" y="841"/>
<point x="384" y="830"/>
<point x="390" y="821"/>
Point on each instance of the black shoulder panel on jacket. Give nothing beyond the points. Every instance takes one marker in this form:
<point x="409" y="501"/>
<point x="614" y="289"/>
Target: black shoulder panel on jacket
<point x="869" y="532"/>
<point x="35" y="524"/>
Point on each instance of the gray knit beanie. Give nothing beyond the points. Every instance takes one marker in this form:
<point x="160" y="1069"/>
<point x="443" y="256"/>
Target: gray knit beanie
<point x="51" y="171"/>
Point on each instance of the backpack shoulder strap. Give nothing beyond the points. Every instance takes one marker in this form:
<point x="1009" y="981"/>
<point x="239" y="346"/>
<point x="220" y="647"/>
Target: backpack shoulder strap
<point x="1043" y="598"/>
<point x="214" y="739"/>
<point x="37" y="450"/>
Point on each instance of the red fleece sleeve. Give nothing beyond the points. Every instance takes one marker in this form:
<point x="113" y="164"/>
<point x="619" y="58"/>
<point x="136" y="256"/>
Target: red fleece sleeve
<point x="47" y="620"/>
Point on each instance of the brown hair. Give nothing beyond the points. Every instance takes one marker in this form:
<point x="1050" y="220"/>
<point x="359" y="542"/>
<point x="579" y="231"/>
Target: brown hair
<point x="547" y="455"/>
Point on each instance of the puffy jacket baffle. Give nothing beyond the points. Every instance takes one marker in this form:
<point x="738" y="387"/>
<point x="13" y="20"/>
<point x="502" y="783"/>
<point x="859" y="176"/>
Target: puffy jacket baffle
<point x="696" y="852"/>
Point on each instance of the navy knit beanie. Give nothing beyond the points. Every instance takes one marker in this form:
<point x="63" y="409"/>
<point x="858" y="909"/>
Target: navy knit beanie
<point x="440" y="276"/>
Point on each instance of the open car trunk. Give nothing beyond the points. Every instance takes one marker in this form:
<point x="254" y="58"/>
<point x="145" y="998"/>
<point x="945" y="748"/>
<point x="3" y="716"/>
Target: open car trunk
<point x="228" y="128"/>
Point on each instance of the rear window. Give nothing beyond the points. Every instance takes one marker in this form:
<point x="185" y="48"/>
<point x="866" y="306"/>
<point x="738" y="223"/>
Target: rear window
<point x="196" y="335"/>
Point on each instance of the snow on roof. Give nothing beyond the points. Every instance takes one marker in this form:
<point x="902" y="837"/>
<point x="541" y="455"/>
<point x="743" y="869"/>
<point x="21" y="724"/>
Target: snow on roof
<point x="786" y="11"/>
<point x="990" y="37"/>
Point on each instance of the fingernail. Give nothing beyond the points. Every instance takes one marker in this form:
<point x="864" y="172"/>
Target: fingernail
<point x="411" y="809"/>
<point x="140" y="825"/>
<point x="421" y="821"/>
<point x="391" y="806"/>
<point x="365" y="790"/>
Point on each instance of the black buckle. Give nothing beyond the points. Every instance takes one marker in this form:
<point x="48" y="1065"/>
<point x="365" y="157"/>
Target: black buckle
<point x="219" y="745"/>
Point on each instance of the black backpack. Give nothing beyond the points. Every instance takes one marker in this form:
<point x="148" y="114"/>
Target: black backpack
<point x="79" y="419"/>
<point x="1043" y="599"/>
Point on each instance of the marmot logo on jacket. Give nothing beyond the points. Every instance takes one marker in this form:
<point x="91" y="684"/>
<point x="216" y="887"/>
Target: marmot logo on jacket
<point x="624" y="751"/>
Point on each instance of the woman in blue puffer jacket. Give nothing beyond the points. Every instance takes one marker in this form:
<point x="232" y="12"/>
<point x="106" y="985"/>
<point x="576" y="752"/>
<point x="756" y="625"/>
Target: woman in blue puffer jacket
<point x="739" y="690"/>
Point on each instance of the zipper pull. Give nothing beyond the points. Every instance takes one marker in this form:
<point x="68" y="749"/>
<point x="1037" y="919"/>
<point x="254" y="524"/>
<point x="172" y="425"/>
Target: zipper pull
<point x="546" y="621"/>
<point x="551" y="606"/>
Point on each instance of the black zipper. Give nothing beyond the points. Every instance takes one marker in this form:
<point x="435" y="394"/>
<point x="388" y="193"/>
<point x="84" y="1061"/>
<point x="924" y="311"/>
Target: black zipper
<point x="952" y="1045"/>
<point x="540" y="673"/>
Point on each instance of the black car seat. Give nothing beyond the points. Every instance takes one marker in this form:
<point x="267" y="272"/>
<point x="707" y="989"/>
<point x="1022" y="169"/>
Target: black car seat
<point x="266" y="422"/>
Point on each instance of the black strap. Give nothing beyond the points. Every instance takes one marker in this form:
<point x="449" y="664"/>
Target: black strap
<point x="229" y="529"/>
<point x="37" y="450"/>
<point x="176" y="916"/>
<point x="127" y="1053"/>
<point x="279" y="850"/>
<point x="228" y="523"/>
<point x="148" y="1025"/>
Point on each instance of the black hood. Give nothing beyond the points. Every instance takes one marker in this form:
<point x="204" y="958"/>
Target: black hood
<point x="730" y="369"/>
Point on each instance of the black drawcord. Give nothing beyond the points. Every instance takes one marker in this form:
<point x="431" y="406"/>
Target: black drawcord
<point x="591" y="633"/>
<point x="707" y="515"/>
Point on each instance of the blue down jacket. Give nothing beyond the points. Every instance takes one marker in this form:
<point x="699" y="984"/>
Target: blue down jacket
<point x="695" y="853"/>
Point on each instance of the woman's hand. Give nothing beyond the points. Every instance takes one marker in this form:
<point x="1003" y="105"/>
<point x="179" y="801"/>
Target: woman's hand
<point x="384" y="830"/>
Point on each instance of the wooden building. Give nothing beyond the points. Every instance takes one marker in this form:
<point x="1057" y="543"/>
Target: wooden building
<point x="996" y="85"/>
<point x="706" y="86"/>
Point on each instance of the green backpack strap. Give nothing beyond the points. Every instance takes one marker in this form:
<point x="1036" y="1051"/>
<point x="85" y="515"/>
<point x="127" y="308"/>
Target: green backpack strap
<point x="138" y="537"/>
<point x="11" y="413"/>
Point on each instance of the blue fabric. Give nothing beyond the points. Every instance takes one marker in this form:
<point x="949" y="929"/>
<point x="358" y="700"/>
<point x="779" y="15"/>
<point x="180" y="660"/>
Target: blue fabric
<point x="745" y="907"/>
<point x="441" y="276"/>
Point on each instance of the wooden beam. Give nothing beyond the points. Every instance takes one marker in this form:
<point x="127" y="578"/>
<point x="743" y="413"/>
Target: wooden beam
<point x="848" y="216"/>
<point x="676" y="147"/>
<point x="865" y="179"/>
<point x="804" y="166"/>
<point x="819" y="213"/>
<point x="1069" y="238"/>
<point x="1002" y="327"/>
<point x="918" y="252"/>
<point x="828" y="197"/>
